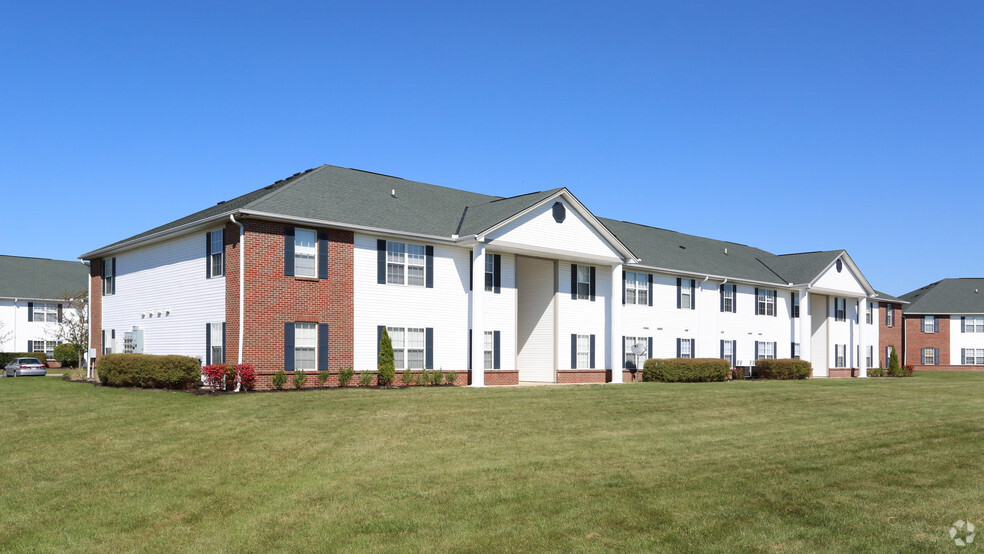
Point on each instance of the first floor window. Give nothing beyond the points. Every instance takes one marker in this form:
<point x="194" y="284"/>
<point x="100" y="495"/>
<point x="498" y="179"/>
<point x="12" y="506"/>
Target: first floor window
<point x="840" y="355"/>
<point x="408" y="347"/>
<point x="929" y="324"/>
<point x="216" y="348"/>
<point x="929" y="356"/>
<point x="109" y="341"/>
<point x="305" y="345"/>
<point x="728" y="351"/>
<point x="633" y="360"/>
<point x="973" y="324"/>
<point x="583" y="350"/>
<point x="973" y="356"/>
<point x="888" y="354"/>
<point x="46" y="346"/>
<point x="488" y="349"/>
<point x="871" y="357"/>
<point x="796" y="350"/>
<point x="686" y="348"/>
<point x="765" y="351"/>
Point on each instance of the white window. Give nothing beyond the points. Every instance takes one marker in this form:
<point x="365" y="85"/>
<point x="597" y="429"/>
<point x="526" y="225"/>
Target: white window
<point x="796" y="304"/>
<point x="109" y="276"/>
<point x="840" y="355"/>
<point x="405" y="263"/>
<point x="974" y="356"/>
<point x="46" y="346"/>
<point x="766" y="351"/>
<point x="974" y="325"/>
<point x="489" y="273"/>
<point x="796" y="350"/>
<point x="45" y="312"/>
<point x="583" y="283"/>
<point x="929" y="356"/>
<point x="929" y="324"/>
<point x="686" y="293"/>
<point x="216" y="247"/>
<point x="305" y="253"/>
<point x="867" y="315"/>
<point x="685" y="351"/>
<point x="583" y="351"/>
<point x="889" y="315"/>
<point x="636" y="288"/>
<point x="840" y="310"/>
<point x="888" y="354"/>
<point x="869" y="362"/>
<point x="408" y="347"/>
<point x="215" y="336"/>
<point x="488" y="351"/>
<point x="728" y="352"/>
<point x="728" y="299"/>
<point x="766" y="302"/>
<point x="631" y="359"/>
<point x="305" y="345"/>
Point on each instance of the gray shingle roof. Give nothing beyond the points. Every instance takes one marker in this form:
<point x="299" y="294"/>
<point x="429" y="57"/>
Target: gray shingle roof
<point x="802" y="267"/>
<point x="949" y="296"/>
<point x="888" y="297"/>
<point x="40" y="278"/>
<point x="480" y="217"/>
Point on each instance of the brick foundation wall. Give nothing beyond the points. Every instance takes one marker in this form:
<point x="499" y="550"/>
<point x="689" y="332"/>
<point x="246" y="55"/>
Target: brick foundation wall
<point x="948" y="367"/>
<point x="501" y="377"/>
<point x="841" y="372"/>
<point x="916" y="340"/>
<point x="273" y="299"/>
<point x="582" y="375"/>
<point x="264" y="381"/>
<point x="889" y="336"/>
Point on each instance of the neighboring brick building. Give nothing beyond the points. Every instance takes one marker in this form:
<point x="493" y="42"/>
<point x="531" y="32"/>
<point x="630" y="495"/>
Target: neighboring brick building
<point x="944" y="325"/>
<point x="890" y="328"/>
<point x="310" y="270"/>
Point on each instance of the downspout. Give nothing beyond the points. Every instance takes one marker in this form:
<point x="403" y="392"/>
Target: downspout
<point x="242" y="292"/>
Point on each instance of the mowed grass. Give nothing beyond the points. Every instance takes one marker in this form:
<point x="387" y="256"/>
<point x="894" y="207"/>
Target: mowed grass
<point x="832" y="465"/>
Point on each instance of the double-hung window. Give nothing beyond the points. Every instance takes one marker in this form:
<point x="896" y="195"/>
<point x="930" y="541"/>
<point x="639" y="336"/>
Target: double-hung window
<point x="44" y="312"/>
<point x="796" y="350"/>
<point x="973" y="324"/>
<point x="765" y="302"/>
<point x="765" y="350"/>
<point x="583" y="351"/>
<point x="728" y="293"/>
<point x="216" y="348"/>
<point x="686" y="347"/>
<point x="305" y="346"/>
<point x="796" y="304"/>
<point x="728" y="352"/>
<point x="636" y="288"/>
<point x="583" y="282"/>
<point x="889" y="315"/>
<point x="870" y="360"/>
<point x="840" y="309"/>
<point x="215" y="255"/>
<point x="405" y="263"/>
<point x="109" y="276"/>
<point x="488" y="350"/>
<point x="840" y="355"/>
<point x="408" y="347"/>
<point x="305" y="253"/>
<point x="489" y="273"/>
<point x="632" y="360"/>
<point x="929" y="356"/>
<point x="46" y="346"/>
<point x="867" y="315"/>
<point x="930" y="324"/>
<point x="973" y="356"/>
<point x="686" y="294"/>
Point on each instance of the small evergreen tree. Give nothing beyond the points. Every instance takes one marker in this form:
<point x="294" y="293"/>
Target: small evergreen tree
<point x="387" y="368"/>
<point x="894" y="368"/>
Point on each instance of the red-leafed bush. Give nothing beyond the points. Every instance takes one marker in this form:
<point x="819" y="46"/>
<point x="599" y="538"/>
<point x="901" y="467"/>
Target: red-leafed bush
<point x="247" y="375"/>
<point x="214" y="374"/>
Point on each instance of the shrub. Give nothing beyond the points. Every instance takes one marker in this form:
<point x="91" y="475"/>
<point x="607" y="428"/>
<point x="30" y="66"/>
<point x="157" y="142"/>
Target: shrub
<point x="66" y="355"/>
<point x="214" y="374"/>
<point x="909" y="368"/>
<point x="407" y="377"/>
<point x="437" y="377"/>
<point x="344" y="376"/>
<point x="300" y="377"/>
<point x="279" y="379"/>
<point x="876" y="372"/>
<point x="423" y="378"/>
<point x="387" y="369"/>
<point x="323" y="378"/>
<point x="450" y="377"/>
<point x="685" y="370"/>
<point x="365" y="378"/>
<point x="247" y="376"/>
<point x="149" y="371"/>
<point x="783" y="369"/>
<point x="7" y="357"/>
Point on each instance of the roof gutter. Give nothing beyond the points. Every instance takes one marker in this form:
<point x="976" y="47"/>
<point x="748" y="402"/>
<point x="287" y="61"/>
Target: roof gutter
<point x="705" y="275"/>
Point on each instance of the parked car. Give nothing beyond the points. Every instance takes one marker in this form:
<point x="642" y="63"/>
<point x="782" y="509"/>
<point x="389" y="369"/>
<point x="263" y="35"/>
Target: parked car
<point x="22" y="367"/>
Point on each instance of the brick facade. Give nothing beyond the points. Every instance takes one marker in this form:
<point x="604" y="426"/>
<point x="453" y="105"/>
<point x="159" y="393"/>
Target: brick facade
<point x="889" y="336"/>
<point x="95" y="305"/>
<point x="916" y="340"/>
<point x="501" y="377"/>
<point x="582" y="375"/>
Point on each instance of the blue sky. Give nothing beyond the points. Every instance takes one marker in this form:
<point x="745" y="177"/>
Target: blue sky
<point x="789" y="126"/>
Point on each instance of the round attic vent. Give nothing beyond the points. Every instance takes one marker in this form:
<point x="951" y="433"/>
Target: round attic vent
<point x="559" y="212"/>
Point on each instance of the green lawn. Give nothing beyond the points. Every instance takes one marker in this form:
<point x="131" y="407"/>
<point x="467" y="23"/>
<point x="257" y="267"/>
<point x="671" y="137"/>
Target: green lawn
<point x="841" y="465"/>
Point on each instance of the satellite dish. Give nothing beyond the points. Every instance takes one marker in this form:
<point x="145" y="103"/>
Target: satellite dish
<point x="639" y="348"/>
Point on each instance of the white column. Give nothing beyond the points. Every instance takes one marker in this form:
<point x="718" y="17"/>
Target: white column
<point x="478" y="316"/>
<point x="806" y="326"/>
<point x="614" y="330"/>
<point x="863" y="358"/>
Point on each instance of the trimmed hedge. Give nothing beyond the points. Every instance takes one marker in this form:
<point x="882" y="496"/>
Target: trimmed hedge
<point x="7" y="357"/>
<point x="148" y="371"/>
<point x="686" y="370"/>
<point x="789" y="368"/>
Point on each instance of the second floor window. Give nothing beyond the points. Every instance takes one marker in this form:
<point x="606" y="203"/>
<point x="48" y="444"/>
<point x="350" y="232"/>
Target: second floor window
<point x="840" y="309"/>
<point x="405" y="263"/>
<point x="930" y="324"/>
<point x="109" y="276"/>
<point x="583" y="282"/>
<point x="796" y="304"/>
<point x="867" y="314"/>
<point x="305" y="253"/>
<point x="636" y="288"/>
<point x="765" y="302"/>
<point x="889" y="315"/>
<point x="216" y="257"/>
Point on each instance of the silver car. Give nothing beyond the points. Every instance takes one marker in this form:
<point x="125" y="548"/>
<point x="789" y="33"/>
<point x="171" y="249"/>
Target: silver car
<point x="22" y="367"/>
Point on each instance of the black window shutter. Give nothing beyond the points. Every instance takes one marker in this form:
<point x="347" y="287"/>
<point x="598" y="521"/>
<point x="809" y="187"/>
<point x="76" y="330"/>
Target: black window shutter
<point x="60" y="313"/>
<point x="963" y="355"/>
<point x="469" y="349"/>
<point x="30" y="312"/>
<point x="649" y="278"/>
<point x="496" y="350"/>
<point x="114" y="277"/>
<point x="573" y="281"/>
<point x="722" y="305"/>
<point x="592" y="283"/>
<point x="775" y="349"/>
<point x="429" y="266"/>
<point x="922" y="356"/>
<point x="775" y="303"/>
<point x="322" y="254"/>
<point x="208" y="255"/>
<point x="936" y="324"/>
<point x="381" y="261"/>
<point x="758" y="310"/>
<point x="429" y="348"/>
<point x="208" y="344"/>
<point x="756" y="349"/>
<point x="963" y="324"/>
<point x="857" y="311"/>
<point x="323" y="347"/>
<point x="649" y="348"/>
<point x="623" y="290"/>
<point x="792" y="350"/>
<point x="693" y="294"/>
<point x="722" y="349"/>
<point x="693" y="348"/>
<point x="223" y="342"/>
<point x="734" y="352"/>
<point x="573" y="351"/>
<point x="379" y="340"/>
<point x="288" y="346"/>
<point x="471" y="271"/>
<point x="679" y="292"/>
<point x="678" y="348"/>
<point x="623" y="352"/>
<point x="103" y="351"/>
<point x="936" y="356"/>
<point x="289" y="253"/>
<point x="497" y="275"/>
<point x="591" y="351"/>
